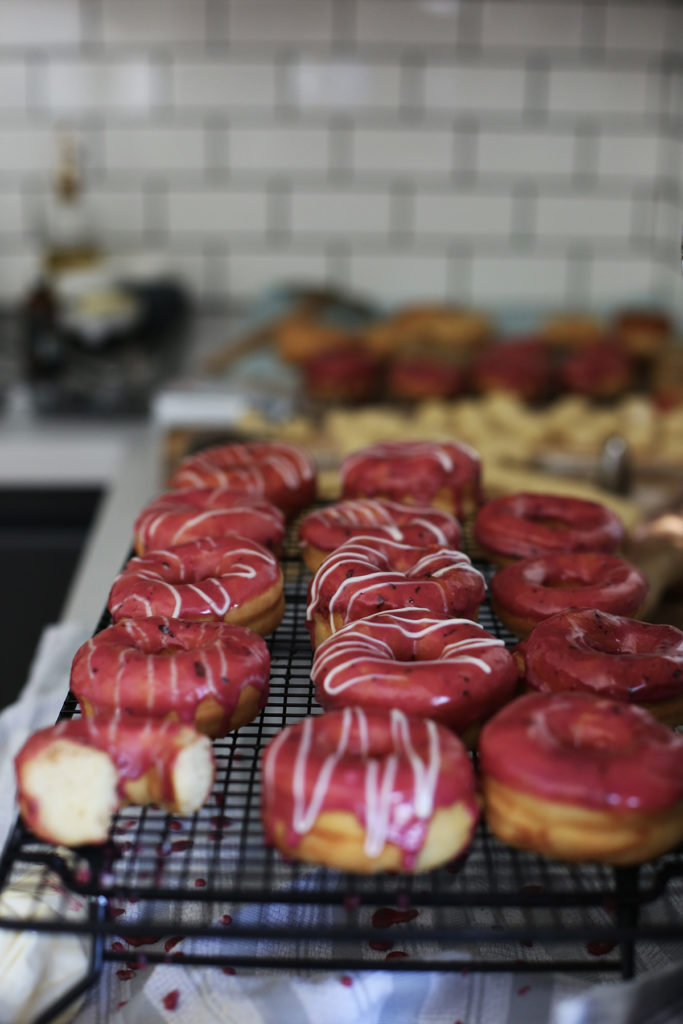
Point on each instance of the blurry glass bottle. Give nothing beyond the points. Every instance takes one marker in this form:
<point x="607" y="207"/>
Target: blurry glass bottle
<point x="68" y="237"/>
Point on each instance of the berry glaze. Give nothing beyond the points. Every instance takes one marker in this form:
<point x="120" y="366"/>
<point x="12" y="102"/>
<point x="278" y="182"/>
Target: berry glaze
<point x="282" y="473"/>
<point x="203" y="579"/>
<point x="366" y="575"/>
<point x="609" y="655"/>
<point x="181" y="516"/>
<point x="579" y="749"/>
<point x="447" y="669"/>
<point x="444" y="474"/>
<point x="418" y="525"/>
<point x="136" y="746"/>
<point x="526" y="525"/>
<point x="389" y="771"/>
<point x="532" y="589"/>
<point x="161" y="666"/>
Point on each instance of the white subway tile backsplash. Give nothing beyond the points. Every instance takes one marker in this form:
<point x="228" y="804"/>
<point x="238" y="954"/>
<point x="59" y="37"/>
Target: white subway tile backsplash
<point x="628" y="156"/>
<point x="11" y="214"/>
<point x="465" y="215"/>
<point x="217" y="212"/>
<point x="408" y="24"/>
<point x="127" y="86"/>
<point x="585" y="216"/>
<point x="347" y="85"/>
<point x="249" y="273"/>
<point x="530" y="154"/>
<point x="224" y="85"/>
<point x="29" y="150"/>
<point x="13" y="86"/>
<point x="18" y="270"/>
<point x="540" y="25"/>
<point x="519" y="280"/>
<point x="618" y="278"/>
<point x="298" y="22"/>
<point x="278" y="150"/>
<point x="37" y="23"/>
<point x="163" y="150"/>
<point x="117" y="212"/>
<point x="337" y="212"/>
<point x="463" y="88"/>
<point x="638" y="27"/>
<point x="399" y="277"/>
<point x="600" y="92"/>
<point x="397" y="152"/>
<point x="153" y="22"/>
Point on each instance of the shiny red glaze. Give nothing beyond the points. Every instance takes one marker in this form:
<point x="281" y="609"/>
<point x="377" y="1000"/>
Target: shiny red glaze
<point x="351" y="373"/>
<point x="422" y="376"/>
<point x="160" y="666"/>
<point x="136" y="746"/>
<point x="280" y="472"/>
<point x="609" y="655"/>
<point x="519" y="525"/>
<point x="600" y="369"/>
<point x="181" y="516"/>
<point x="203" y="579"/>
<point x="579" y="749"/>
<point x="325" y="762"/>
<point x="447" y="669"/>
<point x="535" y="588"/>
<point x="520" y="365"/>
<point x="413" y="470"/>
<point x="363" y="577"/>
<point x="418" y="525"/>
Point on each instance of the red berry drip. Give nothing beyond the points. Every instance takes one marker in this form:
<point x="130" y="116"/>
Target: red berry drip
<point x="600" y="948"/>
<point x="200" y="883"/>
<point x="228" y="970"/>
<point x="125" y="974"/>
<point x="170" y="943"/>
<point x="523" y="990"/>
<point x="381" y="947"/>
<point x="346" y="980"/>
<point x="181" y="844"/>
<point x="396" y="954"/>
<point x="226" y="919"/>
<point x="383" y="917"/>
<point x="171" y="999"/>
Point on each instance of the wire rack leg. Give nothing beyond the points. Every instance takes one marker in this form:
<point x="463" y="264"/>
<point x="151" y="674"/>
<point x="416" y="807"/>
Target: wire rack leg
<point x="95" y="962"/>
<point x="627" y="915"/>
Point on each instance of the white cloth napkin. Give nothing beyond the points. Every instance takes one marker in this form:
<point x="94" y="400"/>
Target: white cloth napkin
<point x="170" y="994"/>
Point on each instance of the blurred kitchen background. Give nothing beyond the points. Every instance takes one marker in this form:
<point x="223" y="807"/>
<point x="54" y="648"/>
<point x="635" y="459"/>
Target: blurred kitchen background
<point x="164" y="164"/>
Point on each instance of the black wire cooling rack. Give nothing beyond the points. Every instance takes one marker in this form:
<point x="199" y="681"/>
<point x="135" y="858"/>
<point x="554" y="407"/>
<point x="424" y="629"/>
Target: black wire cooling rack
<point x="210" y="879"/>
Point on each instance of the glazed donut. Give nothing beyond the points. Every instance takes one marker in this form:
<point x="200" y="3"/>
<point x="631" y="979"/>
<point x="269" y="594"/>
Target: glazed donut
<point x="445" y="474"/>
<point x="447" y="669"/>
<point x="571" y="330"/>
<point x="325" y="529"/>
<point x="72" y="777"/>
<point x="525" y="525"/>
<point x="300" y="338"/>
<point x="456" y="330"/>
<point x="234" y="579"/>
<point x="350" y="374"/>
<point x="645" y="333"/>
<point x="369" y="574"/>
<point x="600" y="370"/>
<point x="280" y="472"/>
<point x="416" y="376"/>
<point x="610" y="656"/>
<point x="211" y="675"/>
<point x="180" y="516"/>
<point x="518" y="366"/>
<point x="532" y="589"/>
<point x="368" y="792"/>
<point x="582" y="778"/>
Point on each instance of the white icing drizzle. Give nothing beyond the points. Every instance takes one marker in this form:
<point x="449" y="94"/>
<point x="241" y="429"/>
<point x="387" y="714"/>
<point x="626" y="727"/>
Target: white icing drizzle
<point x="379" y="773"/>
<point x="349" y="646"/>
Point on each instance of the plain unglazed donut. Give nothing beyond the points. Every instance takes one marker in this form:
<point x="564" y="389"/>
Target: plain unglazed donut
<point x="177" y="517"/>
<point x="366" y="575"/>
<point x="582" y="778"/>
<point x="323" y="530"/>
<point x="609" y="655"/>
<point x="234" y="580"/>
<point x="211" y="675"/>
<point x="368" y="792"/>
<point x="281" y="472"/>
<point x="430" y="666"/>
